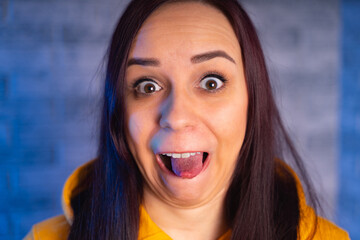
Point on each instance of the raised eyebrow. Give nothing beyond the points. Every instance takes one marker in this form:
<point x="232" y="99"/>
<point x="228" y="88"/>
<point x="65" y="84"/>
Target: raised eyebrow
<point x="153" y="62"/>
<point x="210" y="55"/>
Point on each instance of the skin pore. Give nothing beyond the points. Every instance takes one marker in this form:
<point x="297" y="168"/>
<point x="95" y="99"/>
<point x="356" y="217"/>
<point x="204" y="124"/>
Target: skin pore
<point x="186" y="93"/>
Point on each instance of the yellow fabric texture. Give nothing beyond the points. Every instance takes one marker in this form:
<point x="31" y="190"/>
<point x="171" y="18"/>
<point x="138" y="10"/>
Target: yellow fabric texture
<point x="57" y="228"/>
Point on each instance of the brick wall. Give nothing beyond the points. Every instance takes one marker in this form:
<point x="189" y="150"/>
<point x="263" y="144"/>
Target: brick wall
<point x="301" y="42"/>
<point x="50" y="52"/>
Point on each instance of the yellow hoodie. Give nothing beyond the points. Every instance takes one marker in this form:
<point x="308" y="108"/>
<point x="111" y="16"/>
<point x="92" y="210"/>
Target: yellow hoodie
<point x="57" y="228"/>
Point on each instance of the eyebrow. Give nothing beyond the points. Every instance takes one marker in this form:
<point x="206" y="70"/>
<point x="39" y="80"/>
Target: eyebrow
<point x="153" y="62"/>
<point x="144" y="62"/>
<point x="210" y="55"/>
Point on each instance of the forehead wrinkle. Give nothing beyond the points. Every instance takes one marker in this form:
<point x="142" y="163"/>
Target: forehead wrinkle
<point x="191" y="36"/>
<point x="196" y="30"/>
<point x="197" y="16"/>
<point x="187" y="24"/>
<point x="197" y="11"/>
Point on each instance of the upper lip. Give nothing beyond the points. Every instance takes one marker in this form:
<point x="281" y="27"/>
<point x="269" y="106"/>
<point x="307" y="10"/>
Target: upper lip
<point x="179" y="142"/>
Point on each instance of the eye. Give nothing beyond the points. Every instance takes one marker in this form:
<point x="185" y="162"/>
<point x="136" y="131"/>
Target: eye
<point x="212" y="82"/>
<point x="147" y="86"/>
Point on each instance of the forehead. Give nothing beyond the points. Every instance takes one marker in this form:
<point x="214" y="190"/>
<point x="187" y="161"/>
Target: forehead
<point x="185" y="28"/>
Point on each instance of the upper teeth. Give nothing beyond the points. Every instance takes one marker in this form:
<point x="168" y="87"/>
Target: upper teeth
<point x="180" y="155"/>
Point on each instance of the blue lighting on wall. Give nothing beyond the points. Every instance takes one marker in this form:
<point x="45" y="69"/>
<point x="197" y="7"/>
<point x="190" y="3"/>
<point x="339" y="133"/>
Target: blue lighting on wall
<point x="349" y="160"/>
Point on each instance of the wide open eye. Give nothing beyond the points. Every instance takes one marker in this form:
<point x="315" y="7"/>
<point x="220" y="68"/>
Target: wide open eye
<point x="212" y="82"/>
<point x="147" y="87"/>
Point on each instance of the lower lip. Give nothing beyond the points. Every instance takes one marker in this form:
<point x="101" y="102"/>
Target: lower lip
<point x="166" y="170"/>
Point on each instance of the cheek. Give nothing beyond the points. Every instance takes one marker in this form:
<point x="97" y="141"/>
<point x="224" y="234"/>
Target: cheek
<point x="134" y="126"/>
<point x="138" y="134"/>
<point x="138" y="124"/>
<point x="228" y="124"/>
<point x="141" y="124"/>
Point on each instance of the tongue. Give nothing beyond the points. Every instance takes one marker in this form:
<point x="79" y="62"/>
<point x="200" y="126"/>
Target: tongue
<point x="187" y="167"/>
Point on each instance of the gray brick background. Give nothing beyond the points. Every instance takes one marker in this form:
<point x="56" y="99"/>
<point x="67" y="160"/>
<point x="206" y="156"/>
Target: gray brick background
<point x="301" y="42"/>
<point x="50" y="83"/>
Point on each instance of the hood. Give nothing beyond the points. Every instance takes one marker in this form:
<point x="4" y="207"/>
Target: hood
<point x="72" y="187"/>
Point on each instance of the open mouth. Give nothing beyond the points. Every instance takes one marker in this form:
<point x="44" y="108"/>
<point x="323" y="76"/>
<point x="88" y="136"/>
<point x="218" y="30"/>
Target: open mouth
<point x="185" y="165"/>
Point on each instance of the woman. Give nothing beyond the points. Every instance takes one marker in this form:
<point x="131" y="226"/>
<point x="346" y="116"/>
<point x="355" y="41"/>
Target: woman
<point x="190" y="137"/>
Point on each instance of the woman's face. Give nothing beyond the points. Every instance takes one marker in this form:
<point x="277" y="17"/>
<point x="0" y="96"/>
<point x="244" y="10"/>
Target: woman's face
<point x="186" y="103"/>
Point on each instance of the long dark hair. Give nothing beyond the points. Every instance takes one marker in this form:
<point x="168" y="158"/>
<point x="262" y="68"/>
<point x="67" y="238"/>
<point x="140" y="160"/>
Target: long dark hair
<point x="262" y="201"/>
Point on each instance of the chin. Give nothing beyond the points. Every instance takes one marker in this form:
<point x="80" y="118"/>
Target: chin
<point x="189" y="191"/>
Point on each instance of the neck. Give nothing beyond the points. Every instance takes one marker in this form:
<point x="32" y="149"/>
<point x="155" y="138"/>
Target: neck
<point x="205" y="221"/>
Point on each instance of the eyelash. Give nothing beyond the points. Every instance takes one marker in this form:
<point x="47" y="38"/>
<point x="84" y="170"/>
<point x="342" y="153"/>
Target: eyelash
<point x="137" y="83"/>
<point x="217" y="75"/>
<point x="140" y="80"/>
<point x="214" y="74"/>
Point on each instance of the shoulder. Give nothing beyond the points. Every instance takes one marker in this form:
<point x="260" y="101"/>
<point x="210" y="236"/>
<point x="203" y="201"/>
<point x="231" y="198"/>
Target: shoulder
<point x="55" y="228"/>
<point x="310" y="224"/>
<point x="319" y="227"/>
<point x="328" y="230"/>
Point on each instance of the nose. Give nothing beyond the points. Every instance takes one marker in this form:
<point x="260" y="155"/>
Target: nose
<point x="177" y="112"/>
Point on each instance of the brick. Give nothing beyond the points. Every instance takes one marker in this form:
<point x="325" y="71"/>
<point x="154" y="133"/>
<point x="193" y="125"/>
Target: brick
<point x="4" y="87"/>
<point x="7" y="237"/>
<point x="46" y="11"/>
<point x="78" y="108"/>
<point x="74" y="154"/>
<point x="21" y="59"/>
<point x="35" y="110"/>
<point x="4" y="10"/>
<point x="32" y="177"/>
<point x="35" y="155"/>
<point x="74" y="33"/>
<point x="26" y="34"/>
<point x="33" y="83"/>
<point x="75" y="73"/>
<point x="4" y="224"/>
<point x="32" y="144"/>
<point x="29" y="201"/>
<point x="9" y="179"/>
<point x="5" y="136"/>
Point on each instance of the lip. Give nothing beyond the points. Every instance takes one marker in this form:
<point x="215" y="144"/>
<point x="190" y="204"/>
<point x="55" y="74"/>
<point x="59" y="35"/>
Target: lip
<point x="168" y="172"/>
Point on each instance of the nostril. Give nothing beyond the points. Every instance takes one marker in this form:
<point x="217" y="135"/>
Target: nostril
<point x="164" y="124"/>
